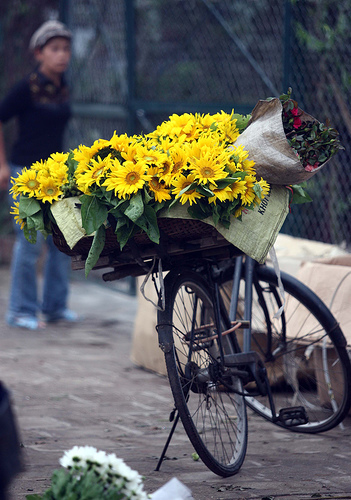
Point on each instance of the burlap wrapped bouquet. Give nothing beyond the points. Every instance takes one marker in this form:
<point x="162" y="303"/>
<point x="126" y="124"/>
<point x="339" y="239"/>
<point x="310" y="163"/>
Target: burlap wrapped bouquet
<point x="287" y="144"/>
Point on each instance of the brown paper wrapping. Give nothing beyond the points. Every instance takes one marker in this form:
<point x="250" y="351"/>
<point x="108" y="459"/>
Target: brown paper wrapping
<point x="268" y="147"/>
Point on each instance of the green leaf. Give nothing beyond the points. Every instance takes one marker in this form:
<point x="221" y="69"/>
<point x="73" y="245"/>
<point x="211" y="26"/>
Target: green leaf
<point x="204" y="190"/>
<point x="148" y="223"/>
<point x="241" y="121"/>
<point x="215" y="215"/>
<point x="299" y="194"/>
<point x="28" y="207"/>
<point x="71" y="164"/>
<point x="38" y="222"/>
<point x="198" y="211"/>
<point x="135" y="208"/>
<point x="124" y="233"/>
<point x="95" y="249"/>
<point x="257" y="189"/>
<point x="225" y="223"/>
<point x="158" y="206"/>
<point x="189" y="186"/>
<point x="233" y="206"/>
<point x="30" y="234"/>
<point x="94" y="213"/>
<point x="222" y="183"/>
<point x="239" y="176"/>
<point x="174" y="202"/>
<point x="147" y="196"/>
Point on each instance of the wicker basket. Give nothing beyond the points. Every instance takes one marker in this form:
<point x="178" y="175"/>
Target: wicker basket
<point x="171" y="230"/>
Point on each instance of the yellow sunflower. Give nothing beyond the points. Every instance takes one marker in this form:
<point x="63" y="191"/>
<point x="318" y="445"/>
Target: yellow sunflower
<point x="249" y="195"/>
<point x="237" y="189"/>
<point x="26" y="183"/>
<point x="93" y="174"/>
<point x="161" y="131"/>
<point x="226" y="126"/>
<point x="205" y="121"/>
<point x="49" y="190"/>
<point x="165" y="170"/>
<point x="158" y="187"/>
<point x="151" y="156"/>
<point x="248" y="166"/>
<point x="38" y="166"/>
<point x="127" y="178"/>
<point x="181" y="183"/>
<point x="184" y="124"/>
<point x="15" y="212"/>
<point x="222" y="194"/>
<point x="56" y="169"/>
<point x="120" y="142"/>
<point x="84" y="154"/>
<point x="205" y="144"/>
<point x="207" y="168"/>
<point x="179" y="157"/>
<point x="265" y="187"/>
<point x="166" y="143"/>
<point x="59" y="157"/>
<point x="239" y="159"/>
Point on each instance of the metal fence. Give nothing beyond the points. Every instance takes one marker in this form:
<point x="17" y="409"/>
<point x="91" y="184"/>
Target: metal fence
<point x="136" y="62"/>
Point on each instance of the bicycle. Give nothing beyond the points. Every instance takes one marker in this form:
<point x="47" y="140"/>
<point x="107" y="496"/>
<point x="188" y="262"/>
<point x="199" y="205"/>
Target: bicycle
<point x="226" y="348"/>
<point x="278" y="370"/>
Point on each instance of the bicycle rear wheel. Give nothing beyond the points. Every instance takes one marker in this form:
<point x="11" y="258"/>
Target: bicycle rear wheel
<point x="213" y="416"/>
<point x="304" y="352"/>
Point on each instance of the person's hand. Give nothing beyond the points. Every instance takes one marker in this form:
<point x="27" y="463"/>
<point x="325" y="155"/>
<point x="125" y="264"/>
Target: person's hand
<point x="5" y="175"/>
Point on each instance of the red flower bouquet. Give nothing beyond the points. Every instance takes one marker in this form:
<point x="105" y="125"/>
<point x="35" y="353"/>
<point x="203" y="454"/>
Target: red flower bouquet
<point x="287" y="144"/>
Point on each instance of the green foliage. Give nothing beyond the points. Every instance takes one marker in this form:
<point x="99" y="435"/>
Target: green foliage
<point x="313" y="142"/>
<point x="95" y="249"/>
<point x="241" y="121"/>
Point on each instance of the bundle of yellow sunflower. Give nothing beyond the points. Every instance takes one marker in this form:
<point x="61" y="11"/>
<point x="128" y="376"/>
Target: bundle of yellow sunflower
<point x="188" y="160"/>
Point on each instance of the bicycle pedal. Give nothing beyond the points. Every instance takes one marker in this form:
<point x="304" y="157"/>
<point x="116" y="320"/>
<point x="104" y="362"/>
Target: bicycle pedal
<point x="293" y="416"/>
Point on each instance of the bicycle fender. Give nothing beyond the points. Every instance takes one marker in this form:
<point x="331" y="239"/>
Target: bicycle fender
<point x="164" y="342"/>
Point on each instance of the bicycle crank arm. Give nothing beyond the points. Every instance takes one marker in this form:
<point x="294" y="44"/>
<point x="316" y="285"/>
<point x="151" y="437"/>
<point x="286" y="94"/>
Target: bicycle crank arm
<point x="251" y="363"/>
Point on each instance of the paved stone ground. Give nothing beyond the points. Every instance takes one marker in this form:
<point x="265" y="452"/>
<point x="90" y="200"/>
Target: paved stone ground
<point x="76" y="385"/>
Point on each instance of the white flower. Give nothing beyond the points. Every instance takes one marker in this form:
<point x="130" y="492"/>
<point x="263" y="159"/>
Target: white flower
<point x="77" y="456"/>
<point x="111" y="469"/>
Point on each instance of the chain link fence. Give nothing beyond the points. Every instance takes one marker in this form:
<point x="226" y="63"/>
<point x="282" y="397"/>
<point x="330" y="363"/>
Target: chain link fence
<point x="135" y="63"/>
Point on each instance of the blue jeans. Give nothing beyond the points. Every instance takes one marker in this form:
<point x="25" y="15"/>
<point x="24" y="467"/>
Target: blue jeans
<point x="24" y="292"/>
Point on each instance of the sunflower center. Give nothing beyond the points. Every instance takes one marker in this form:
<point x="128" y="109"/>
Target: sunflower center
<point x="207" y="172"/>
<point x="32" y="184"/>
<point x="177" y="166"/>
<point x="97" y="173"/>
<point x="132" y="178"/>
<point x="50" y="191"/>
<point x="155" y="183"/>
<point x="166" y="167"/>
<point x="149" y="158"/>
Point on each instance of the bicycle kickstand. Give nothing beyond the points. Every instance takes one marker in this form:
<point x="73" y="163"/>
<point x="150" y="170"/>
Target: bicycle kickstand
<point x="176" y="419"/>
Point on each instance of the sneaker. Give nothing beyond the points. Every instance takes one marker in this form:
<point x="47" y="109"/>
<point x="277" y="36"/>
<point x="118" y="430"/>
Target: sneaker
<point x="27" y="322"/>
<point x="66" y="315"/>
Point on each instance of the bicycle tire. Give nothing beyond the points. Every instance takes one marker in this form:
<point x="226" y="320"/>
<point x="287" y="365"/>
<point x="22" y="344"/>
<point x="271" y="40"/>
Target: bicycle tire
<point x="213" y="417"/>
<point x="310" y="367"/>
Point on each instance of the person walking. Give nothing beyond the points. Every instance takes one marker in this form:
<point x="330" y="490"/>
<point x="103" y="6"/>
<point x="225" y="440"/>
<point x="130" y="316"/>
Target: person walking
<point x="40" y="103"/>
